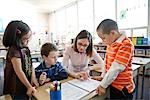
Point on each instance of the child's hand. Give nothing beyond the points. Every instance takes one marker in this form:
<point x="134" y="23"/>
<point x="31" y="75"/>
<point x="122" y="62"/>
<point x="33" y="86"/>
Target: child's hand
<point x="42" y="78"/>
<point x="30" y="91"/>
<point x="100" y="90"/>
<point x="99" y="78"/>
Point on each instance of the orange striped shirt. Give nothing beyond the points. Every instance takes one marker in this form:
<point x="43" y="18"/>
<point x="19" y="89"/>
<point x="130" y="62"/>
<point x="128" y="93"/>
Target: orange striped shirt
<point x="121" y="52"/>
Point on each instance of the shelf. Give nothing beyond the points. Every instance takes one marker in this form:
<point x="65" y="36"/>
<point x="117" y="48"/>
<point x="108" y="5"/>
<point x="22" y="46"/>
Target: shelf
<point x="141" y="45"/>
<point x="101" y="51"/>
<point x="140" y="55"/>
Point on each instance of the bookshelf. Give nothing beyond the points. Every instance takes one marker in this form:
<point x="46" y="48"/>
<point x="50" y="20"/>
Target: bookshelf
<point x="140" y="50"/>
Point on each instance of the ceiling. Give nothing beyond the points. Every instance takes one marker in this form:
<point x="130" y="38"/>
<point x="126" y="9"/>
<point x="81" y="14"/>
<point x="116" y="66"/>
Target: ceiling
<point x="48" y="5"/>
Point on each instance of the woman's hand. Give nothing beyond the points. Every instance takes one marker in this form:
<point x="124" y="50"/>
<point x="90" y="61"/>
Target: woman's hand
<point x="82" y="75"/>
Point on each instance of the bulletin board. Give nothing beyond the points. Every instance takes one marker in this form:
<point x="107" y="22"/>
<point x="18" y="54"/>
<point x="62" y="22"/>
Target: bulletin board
<point x="132" y="13"/>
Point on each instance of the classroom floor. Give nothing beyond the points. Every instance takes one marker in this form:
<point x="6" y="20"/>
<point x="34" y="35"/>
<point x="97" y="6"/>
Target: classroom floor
<point x="146" y="95"/>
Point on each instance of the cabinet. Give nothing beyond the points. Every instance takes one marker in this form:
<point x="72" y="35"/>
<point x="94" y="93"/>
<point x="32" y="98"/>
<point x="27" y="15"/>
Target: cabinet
<point x="101" y="49"/>
<point x="142" y="51"/>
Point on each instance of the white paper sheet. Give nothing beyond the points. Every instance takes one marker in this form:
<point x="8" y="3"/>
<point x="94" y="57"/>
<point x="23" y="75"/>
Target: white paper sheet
<point x="71" y="92"/>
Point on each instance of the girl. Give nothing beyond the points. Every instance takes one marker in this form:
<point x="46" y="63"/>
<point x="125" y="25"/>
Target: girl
<point x="18" y="70"/>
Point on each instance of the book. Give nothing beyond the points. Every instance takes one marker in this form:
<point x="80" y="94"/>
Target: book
<point x="89" y="85"/>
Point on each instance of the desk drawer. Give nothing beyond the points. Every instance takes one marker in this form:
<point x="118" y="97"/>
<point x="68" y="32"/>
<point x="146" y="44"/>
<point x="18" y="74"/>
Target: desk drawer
<point x="148" y="52"/>
<point x="139" y="52"/>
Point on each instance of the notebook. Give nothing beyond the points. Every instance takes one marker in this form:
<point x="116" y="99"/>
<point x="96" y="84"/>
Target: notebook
<point x="88" y="85"/>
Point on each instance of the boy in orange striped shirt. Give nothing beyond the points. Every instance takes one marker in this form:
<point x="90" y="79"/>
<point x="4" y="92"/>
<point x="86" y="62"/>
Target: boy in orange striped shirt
<point x="118" y="63"/>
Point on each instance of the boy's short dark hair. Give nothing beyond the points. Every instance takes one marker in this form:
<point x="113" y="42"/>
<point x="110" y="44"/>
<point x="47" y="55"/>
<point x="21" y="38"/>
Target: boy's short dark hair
<point x="47" y="48"/>
<point x="107" y="25"/>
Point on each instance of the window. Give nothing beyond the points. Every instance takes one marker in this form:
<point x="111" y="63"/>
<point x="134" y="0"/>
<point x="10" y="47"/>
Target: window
<point x="103" y="10"/>
<point x="132" y="13"/>
<point x="140" y="32"/>
<point x="60" y="26"/>
<point x="71" y="22"/>
<point x="85" y="15"/>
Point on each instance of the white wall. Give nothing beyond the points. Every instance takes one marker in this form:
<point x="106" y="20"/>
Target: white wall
<point x="39" y="29"/>
<point x="16" y="10"/>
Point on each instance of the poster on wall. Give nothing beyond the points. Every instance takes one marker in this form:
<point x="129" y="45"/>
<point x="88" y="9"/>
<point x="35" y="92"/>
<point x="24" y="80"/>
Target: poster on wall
<point x="133" y="13"/>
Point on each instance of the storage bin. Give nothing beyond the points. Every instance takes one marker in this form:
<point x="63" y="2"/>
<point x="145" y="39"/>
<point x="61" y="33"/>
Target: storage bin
<point x="134" y="39"/>
<point x="148" y="52"/>
<point x="139" y="40"/>
<point x="145" y="41"/>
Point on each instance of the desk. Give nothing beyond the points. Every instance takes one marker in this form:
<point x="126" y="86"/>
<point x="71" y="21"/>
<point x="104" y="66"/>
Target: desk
<point x="143" y="62"/>
<point x="5" y="97"/>
<point x="42" y="94"/>
<point x="35" y="64"/>
<point x="36" y="56"/>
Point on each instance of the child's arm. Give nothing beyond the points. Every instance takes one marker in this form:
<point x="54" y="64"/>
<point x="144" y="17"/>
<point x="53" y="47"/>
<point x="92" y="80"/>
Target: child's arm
<point x="110" y="76"/>
<point x="17" y="65"/>
<point x="60" y="72"/>
<point x="33" y="79"/>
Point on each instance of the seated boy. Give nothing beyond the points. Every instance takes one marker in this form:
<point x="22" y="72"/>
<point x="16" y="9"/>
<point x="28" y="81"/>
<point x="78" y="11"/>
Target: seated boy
<point x="50" y="69"/>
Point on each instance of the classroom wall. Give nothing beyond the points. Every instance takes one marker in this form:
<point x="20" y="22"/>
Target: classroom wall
<point x="38" y="21"/>
<point x="15" y="10"/>
<point x="40" y="31"/>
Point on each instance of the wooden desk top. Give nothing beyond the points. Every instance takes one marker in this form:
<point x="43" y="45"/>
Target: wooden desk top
<point x="42" y="94"/>
<point x="5" y="97"/>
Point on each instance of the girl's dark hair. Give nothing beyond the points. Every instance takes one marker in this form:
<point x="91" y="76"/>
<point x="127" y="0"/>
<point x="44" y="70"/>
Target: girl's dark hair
<point x="14" y="31"/>
<point x="107" y="25"/>
<point x="47" y="48"/>
<point x="82" y="35"/>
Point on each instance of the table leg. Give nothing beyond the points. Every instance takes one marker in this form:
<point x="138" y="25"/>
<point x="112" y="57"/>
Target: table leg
<point x="137" y="83"/>
<point x="143" y="75"/>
